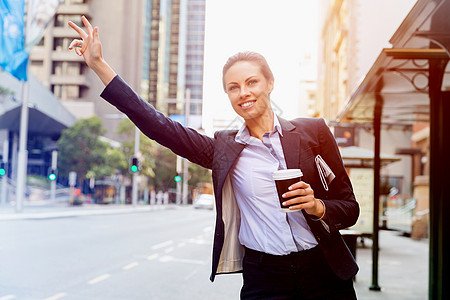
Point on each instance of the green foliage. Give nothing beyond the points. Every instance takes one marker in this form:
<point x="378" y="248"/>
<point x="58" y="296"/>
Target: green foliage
<point x="158" y="162"/>
<point x="5" y="91"/>
<point x="81" y="150"/>
<point x="148" y="148"/>
<point x="199" y="175"/>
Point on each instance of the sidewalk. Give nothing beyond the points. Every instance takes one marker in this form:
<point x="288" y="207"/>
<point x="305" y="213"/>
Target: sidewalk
<point x="47" y="211"/>
<point x="402" y="268"/>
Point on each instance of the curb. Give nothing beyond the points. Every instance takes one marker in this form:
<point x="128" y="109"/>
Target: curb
<point x="79" y="212"/>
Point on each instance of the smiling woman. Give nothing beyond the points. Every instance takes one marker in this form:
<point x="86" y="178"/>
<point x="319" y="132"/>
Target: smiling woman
<point x="291" y="255"/>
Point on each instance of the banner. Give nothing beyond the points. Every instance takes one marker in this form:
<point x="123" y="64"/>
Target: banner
<point x="362" y="181"/>
<point x="41" y="12"/>
<point x="13" y="57"/>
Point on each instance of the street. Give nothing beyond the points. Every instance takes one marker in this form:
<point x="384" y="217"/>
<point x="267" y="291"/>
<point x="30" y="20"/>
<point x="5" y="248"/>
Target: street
<point x="164" y="254"/>
<point x="160" y="252"/>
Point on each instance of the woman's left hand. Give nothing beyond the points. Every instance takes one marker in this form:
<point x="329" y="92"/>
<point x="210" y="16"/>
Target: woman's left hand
<point x="304" y="199"/>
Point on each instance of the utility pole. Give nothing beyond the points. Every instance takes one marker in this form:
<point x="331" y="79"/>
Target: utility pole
<point x="23" y="153"/>
<point x="53" y="182"/>
<point x="187" y="112"/>
<point x="4" y="193"/>
<point x="134" y="191"/>
<point x="182" y="164"/>
<point x="179" y="169"/>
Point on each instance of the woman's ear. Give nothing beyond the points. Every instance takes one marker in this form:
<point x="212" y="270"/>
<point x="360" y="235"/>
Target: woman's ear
<point x="270" y="86"/>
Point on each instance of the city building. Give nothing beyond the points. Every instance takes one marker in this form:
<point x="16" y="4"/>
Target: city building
<point x="173" y="57"/>
<point x="68" y="77"/>
<point x="409" y="84"/>
<point x="352" y="36"/>
<point x="47" y="118"/>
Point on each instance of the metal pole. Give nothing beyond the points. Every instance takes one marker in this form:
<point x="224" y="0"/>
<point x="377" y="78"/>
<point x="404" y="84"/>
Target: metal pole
<point x="134" y="191"/>
<point x="179" y="167"/>
<point x="5" y="177"/>
<point x="439" y="274"/>
<point x="53" y="182"/>
<point x="23" y="153"/>
<point x="376" y="191"/>
<point x="187" y="112"/>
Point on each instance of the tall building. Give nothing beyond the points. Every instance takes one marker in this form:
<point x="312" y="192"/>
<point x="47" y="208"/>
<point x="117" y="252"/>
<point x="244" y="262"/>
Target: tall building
<point x="173" y="56"/>
<point x="352" y="38"/>
<point x="67" y="75"/>
<point x="156" y="46"/>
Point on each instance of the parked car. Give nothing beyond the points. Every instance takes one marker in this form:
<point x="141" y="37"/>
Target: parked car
<point x="204" y="201"/>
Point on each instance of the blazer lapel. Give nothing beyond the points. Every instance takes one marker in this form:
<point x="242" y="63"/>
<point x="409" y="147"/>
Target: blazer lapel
<point x="290" y="141"/>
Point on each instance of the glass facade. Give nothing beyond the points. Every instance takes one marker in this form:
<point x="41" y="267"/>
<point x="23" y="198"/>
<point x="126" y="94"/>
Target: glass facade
<point x="174" y="53"/>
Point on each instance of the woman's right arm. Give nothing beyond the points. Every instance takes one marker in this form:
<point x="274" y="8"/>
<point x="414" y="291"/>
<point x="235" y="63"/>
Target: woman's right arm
<point x="182" y="140"/>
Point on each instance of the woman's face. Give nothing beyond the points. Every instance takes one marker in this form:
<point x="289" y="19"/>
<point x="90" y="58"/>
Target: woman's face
<point x="248" y="90"/>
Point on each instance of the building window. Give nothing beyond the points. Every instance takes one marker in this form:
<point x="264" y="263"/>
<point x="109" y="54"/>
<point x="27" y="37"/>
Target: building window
<point x="57" y="68"/>
<point x="73" y="91"/>
<point x="57" y="90"/>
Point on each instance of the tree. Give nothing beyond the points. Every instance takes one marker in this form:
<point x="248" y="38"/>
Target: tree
<point x="158" y="162"/>
<point x="82" y="151"/>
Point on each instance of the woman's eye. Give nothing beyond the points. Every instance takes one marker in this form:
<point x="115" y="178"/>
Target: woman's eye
<point x="252" y="82"/>
<point x="232" y="88"/>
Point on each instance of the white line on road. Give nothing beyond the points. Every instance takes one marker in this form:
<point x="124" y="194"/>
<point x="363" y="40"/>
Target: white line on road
<point x="153" y="256"/>
<point x="8" y="297"/>
<point x="208" y="229"/>
<point x="190" y="275"/>
<point x="131" y="266"/>
<point x="168" y="258"/>
<point x="162" y="245"/>
<point x="56" y="297"/>
<point x="169" y="249"/>
<point x="99" y="278"/>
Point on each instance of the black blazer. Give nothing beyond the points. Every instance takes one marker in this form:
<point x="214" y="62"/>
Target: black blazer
<point x="303" y="139"/>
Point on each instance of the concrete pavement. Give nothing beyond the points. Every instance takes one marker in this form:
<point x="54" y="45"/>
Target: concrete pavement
<point x="403" y="262"/>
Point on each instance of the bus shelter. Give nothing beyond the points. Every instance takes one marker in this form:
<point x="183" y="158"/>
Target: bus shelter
<point x="407" y="84"/>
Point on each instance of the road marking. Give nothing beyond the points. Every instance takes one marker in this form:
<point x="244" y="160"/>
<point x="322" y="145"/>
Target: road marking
<point x="162" y="245"/>
<point x="57" y="296"/>
<point x="8" y="297"/>
<point x="169" y="249"/>
<point x="198" y="241"/>
<point x="208" y="229"/>
<point x="168" y="258"/>
<point x="99" y="278"/>
<point x="152" y="257"/>
<point x="190" y="275"/>
<point x="131" y="266"/>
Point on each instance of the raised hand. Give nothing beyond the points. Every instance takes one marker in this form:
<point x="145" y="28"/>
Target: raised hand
<point x="90" y="48"/>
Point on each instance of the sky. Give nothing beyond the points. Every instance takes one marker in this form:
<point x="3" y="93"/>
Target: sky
<point x="282" y="30"/>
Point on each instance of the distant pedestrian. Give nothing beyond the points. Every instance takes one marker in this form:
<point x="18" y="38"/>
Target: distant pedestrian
<point x="294" y="255"/>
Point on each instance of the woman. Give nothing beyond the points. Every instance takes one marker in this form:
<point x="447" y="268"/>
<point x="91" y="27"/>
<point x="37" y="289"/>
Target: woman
<point x="295" y="255"/>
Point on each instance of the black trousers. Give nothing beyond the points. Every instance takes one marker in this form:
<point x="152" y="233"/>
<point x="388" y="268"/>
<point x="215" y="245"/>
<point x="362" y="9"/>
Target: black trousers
<point x="301" y="275"/>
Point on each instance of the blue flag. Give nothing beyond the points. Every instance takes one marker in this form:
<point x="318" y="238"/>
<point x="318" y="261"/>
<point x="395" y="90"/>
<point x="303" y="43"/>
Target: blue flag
<point x="13" y="57"/>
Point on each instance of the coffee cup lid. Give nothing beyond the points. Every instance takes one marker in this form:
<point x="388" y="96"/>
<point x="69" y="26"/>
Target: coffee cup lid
<point x="287" y="174"/>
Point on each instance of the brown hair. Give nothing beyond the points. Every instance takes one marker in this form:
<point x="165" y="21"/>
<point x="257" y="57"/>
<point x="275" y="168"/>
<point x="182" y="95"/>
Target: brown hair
<point x="250" y="57"/>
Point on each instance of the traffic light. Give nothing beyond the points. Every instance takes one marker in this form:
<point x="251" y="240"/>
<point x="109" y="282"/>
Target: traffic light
<point x="135" y="165"/>
<point x="177" y="178"/>
<point x="2" y="169"/>
<point x="52" y="174"/>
